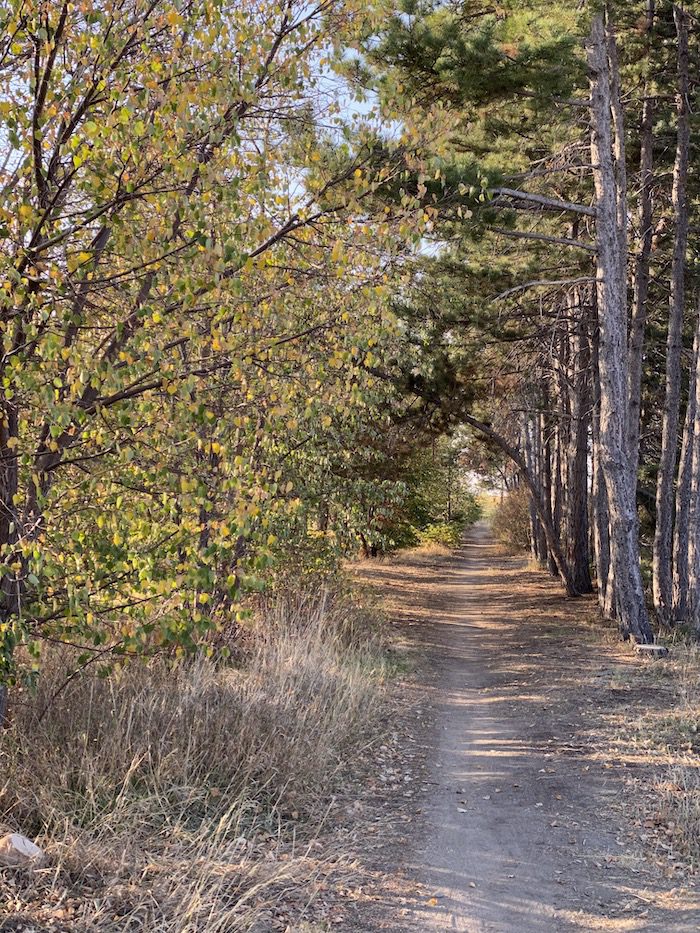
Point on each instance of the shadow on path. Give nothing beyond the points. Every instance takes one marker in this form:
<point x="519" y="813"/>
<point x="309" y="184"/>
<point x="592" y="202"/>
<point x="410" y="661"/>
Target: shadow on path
<point x="519" y="835"/>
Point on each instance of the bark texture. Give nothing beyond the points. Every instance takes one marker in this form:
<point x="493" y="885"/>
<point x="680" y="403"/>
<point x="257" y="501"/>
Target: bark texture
<point x="681" y="530"/>
<point x="611" y="288"/>
<point x="663" y="534"/>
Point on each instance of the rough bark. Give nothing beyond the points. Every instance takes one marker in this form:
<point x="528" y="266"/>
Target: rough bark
<point x="641" y="283"/>
<point x="611" y="290"/>
<point x="599" y="498"/>
<point x="693" y="589"/>
<point x="681" y="529"/>
<point x="641" y="266"/>
<point x="548" y="480"/>
<point x="539" y="472"/>
<point x="528" y="448"/>
<point x="577" y="459"/>
<point x="663" y="533"/>
<point x="558" y="476"/>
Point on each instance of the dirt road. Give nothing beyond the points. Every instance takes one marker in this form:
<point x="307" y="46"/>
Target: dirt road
<point x="520" y="829"/>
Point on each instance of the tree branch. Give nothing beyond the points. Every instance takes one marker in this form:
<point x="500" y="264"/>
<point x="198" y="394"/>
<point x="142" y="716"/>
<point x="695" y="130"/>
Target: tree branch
<point x="559" y="240"/>
<point x="552" y="204"/>
<point x="541" y="283"/>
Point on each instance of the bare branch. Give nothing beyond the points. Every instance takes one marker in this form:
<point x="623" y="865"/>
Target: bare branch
<point x="552" y="204"/>
<point x="561" y="241"/>
<point x="545" y="283"/>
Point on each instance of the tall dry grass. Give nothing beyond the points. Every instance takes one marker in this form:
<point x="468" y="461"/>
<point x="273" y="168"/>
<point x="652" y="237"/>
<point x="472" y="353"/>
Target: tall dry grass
<point x="188" y="799"/>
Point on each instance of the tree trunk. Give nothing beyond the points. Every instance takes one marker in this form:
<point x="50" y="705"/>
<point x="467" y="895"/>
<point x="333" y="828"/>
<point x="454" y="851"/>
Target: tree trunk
<point x="539" y="473"/>
<point x="693" y="589"/>
<point x="641" y="284"/>
<point x="551" y="478"/>
<point x="577" y="459"/>
<point x="560" y="485"/>
<point x="600" y="520"/>
<point x="681" y="530"/>
<point x="641" y="270"/>
<point x="611" y="289"/>
<point x="663" y="533"/>
<point x="529" y="454"/>
<point x="10" y="586"/>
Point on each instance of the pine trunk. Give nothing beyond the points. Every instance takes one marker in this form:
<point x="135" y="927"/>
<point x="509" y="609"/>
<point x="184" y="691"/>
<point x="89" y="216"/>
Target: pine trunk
<point x="611" y="288"/>
<point x="539" y="463"/>
<point x="693" y="588"/>
<point x="528" y="447"/>
<point x="577" y="459"/>
<point x="681" y="530"/>
<point x="600" y="522"/>
<point x="663" y="533"/>
<point x="641" y="284"/>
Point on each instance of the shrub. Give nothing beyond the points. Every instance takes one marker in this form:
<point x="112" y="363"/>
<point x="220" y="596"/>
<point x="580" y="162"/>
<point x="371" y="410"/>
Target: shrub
<point x="511" y="520"/>
<point x="446" y="534"/>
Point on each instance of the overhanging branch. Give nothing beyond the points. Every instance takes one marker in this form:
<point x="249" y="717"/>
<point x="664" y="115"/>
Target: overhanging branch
<point x="552" y="204"/>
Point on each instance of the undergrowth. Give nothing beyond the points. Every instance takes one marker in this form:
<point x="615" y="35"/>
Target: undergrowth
<point x="664" y="737"/>
<point x="188" y="799"/>
<point x="677" y="786"/>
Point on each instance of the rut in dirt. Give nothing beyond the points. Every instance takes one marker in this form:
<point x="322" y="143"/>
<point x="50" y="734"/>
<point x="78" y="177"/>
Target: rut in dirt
<point x="520" y="831"/>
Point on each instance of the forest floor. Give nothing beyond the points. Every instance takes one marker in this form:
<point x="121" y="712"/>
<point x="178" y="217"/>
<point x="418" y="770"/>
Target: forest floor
<point x="523" y="801"/>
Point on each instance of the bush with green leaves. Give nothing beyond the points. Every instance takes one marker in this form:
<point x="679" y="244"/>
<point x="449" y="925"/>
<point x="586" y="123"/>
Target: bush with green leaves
<point x="447" y="534"/>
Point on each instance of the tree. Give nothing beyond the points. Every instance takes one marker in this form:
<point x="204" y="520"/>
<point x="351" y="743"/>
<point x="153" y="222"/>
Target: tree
<point x="608" y="158"/>
<point x="534" y="212"/>
<point x="186" y="248"/>
<point x="663" y="533"/>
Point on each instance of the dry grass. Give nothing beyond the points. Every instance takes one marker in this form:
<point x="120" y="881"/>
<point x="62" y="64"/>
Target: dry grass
<point x="190" y="799"/>
<point x="661" y="738"/>
<point x="677" y="786"/>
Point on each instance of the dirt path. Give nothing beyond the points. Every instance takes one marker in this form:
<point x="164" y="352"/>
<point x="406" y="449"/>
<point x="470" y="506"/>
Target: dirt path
<point x="518" y="829"/>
